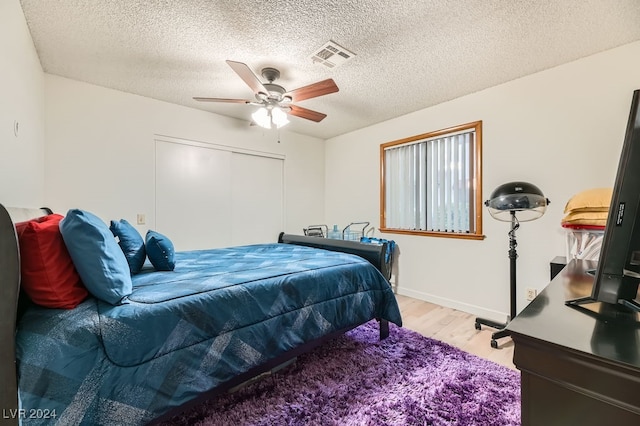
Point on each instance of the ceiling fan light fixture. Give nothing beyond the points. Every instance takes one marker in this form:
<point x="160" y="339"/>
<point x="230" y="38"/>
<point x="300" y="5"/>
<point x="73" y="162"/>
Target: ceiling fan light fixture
<point x="262" y="118"/>
<point x="279" y="117"/>
<point x="268" y="117"/>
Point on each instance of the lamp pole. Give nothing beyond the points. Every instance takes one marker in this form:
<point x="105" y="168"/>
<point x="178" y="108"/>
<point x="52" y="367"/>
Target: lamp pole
<point x="513" y="255"/>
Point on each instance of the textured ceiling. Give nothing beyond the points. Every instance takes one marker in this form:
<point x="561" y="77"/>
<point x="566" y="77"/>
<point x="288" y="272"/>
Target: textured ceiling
<point x="409" y="54"/>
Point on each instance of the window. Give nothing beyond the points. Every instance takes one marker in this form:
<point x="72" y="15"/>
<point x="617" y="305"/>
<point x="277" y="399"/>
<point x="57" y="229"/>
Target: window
<point x="431" y="184"/>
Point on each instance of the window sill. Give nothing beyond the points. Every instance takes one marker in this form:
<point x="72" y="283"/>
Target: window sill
<point x="433" y="234"/>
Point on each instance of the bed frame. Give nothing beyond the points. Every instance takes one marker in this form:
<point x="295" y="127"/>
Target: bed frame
<point x="376" y="254"/>
<point x="12" y="305"/>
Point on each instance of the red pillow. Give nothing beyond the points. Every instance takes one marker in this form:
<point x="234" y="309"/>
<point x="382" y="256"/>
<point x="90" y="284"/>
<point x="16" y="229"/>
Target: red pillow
<point x="48" y="275"/>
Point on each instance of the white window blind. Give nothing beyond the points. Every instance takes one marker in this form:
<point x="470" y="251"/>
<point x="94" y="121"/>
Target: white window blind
<point x="429" y="184"/>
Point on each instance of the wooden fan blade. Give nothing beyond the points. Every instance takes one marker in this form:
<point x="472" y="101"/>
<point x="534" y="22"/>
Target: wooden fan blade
<point x="314" y="90"/>
<point x="233" y="101"/>
<point x="248" y="77"/>
<point x="306" y="113"/>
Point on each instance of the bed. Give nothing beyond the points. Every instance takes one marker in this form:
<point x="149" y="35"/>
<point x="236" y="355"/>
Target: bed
<point x="221" y="318"/>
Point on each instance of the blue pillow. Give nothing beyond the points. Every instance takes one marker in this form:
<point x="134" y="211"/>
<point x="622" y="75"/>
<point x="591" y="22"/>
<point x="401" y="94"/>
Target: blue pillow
<point x="96" y="255"/>
<point x="160" y="251"/>
<point x="131" y="243"/>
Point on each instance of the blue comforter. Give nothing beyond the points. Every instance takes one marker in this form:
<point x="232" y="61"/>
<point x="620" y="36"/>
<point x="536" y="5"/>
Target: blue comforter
<point x="182" y="333"/>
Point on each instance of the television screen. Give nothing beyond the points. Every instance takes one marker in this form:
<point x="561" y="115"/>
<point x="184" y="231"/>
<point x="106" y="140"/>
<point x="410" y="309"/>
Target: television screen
<point x="618" y="272"/>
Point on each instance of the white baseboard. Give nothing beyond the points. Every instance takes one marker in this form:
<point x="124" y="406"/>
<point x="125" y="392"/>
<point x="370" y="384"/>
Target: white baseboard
<point x="479" y="311"/>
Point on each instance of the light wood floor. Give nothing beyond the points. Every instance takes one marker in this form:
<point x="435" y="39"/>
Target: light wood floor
<point x="455" y="328"/>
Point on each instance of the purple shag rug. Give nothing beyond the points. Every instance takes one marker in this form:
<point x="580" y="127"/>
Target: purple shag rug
<point x="406" y="379"/>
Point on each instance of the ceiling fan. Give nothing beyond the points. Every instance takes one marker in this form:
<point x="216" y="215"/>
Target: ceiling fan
<point x="275" y="99"/>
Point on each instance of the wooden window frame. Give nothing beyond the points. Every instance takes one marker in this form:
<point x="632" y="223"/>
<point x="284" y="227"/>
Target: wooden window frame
<point x="477" y="214"/>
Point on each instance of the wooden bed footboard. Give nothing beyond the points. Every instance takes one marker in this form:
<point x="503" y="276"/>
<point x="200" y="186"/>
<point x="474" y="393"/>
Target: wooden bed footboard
<point x="376" y="254"/>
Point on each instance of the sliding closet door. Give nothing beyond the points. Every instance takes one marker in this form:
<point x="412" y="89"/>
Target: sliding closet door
<point x="193" y="195"/>
<point x="208" y="197"/>
<point x="257" y="199"/>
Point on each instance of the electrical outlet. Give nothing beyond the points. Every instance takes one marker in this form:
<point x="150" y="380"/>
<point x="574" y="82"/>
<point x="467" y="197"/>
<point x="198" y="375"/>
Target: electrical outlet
<point x="531" y="293"/>
<point x="142" y="219"/>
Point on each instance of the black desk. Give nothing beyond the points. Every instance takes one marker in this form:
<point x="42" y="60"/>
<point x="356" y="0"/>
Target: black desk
<point x="576" y="368"/>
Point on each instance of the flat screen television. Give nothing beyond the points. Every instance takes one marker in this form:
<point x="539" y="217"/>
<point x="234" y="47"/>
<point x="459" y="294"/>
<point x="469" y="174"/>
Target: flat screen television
<point x="617" y="274"/>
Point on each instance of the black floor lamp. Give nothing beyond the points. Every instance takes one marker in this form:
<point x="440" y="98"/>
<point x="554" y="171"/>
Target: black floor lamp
<point x="529" y="203"/>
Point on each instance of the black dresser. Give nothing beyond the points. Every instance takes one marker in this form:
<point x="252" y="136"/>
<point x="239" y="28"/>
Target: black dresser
<point x="578" y="366"/>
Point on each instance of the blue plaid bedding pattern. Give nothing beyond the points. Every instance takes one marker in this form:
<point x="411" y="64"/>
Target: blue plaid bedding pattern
<point x="182" y="333"/>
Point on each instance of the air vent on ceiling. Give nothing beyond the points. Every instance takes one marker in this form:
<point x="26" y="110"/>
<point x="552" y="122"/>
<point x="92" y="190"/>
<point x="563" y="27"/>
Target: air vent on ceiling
<point x="331" y="55"/>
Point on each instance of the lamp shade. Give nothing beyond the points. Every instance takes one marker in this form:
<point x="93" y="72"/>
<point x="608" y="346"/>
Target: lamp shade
<point x="522" y="197"/>
<point x="262" y="118"/>
<point x="279" y="117"/>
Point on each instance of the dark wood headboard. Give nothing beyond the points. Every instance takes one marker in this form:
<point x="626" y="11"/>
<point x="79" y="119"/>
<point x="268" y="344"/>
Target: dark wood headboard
<point x="9" y="295"/>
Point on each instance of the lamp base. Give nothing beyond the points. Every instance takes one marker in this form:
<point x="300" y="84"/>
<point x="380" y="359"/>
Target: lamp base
<point x="502" y="332"/>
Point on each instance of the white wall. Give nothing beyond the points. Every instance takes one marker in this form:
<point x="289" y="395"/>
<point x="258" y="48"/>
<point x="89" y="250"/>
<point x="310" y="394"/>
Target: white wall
<point x="561" y="129"/>
<point x="21" y="101"/>
<point x="100" y="152"/>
